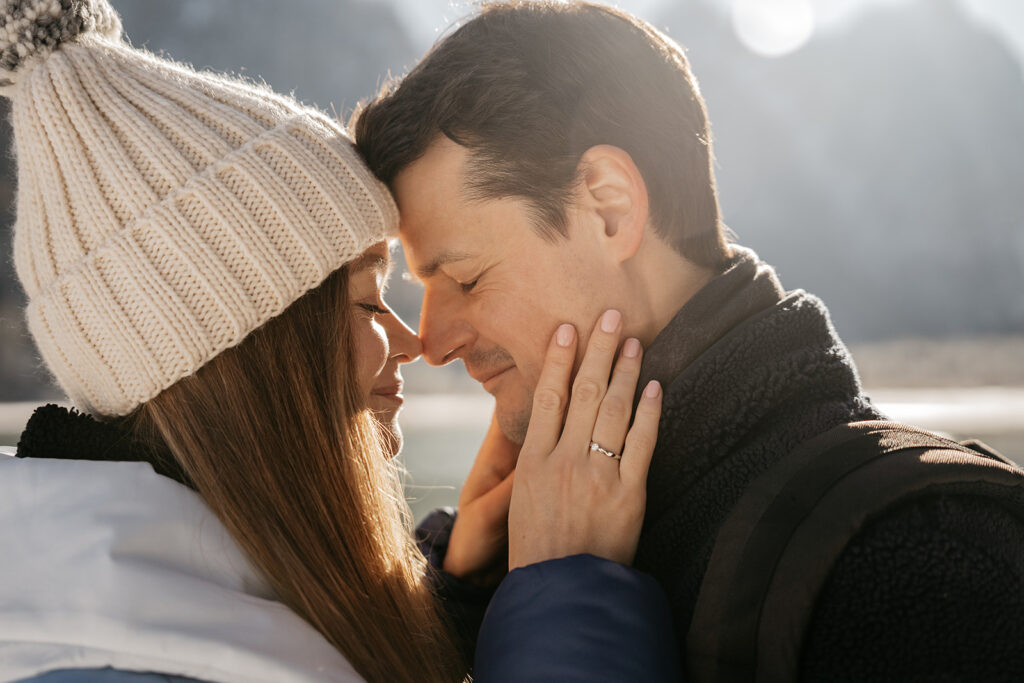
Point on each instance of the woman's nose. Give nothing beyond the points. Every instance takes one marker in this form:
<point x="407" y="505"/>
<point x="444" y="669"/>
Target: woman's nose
<point x="404" y="343"/>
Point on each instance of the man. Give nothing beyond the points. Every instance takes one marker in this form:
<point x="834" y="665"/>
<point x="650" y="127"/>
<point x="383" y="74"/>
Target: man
<point x="554" y="160"/>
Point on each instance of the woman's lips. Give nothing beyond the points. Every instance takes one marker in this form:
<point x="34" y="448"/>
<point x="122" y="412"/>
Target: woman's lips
<point x="391" y="392"/>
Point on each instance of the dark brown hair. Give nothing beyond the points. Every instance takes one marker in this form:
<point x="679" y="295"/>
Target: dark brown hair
<point x="528" y="87"/>
<point x="273" y="435"/>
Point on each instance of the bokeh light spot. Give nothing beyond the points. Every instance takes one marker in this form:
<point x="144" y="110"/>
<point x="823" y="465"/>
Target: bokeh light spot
<point x="773" y="28"/>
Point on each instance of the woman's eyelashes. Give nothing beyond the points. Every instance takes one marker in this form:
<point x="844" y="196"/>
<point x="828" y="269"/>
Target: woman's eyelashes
<point x="374" y="309"/>
<point x="467" y="287"/>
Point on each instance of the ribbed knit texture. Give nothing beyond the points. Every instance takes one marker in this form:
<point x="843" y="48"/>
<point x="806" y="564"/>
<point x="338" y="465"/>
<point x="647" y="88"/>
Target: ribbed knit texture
<point x="164" y="214"/>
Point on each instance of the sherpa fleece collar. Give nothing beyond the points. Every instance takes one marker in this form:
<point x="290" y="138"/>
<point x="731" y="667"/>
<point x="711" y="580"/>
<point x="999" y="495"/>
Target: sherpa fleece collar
<point x="59" y="433"/>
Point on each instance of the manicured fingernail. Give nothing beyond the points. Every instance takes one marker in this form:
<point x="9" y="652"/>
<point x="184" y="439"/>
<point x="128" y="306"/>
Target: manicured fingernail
<point x="565" y="334"/>
<point x="610" y="320"/>
<point x="631" y="349"/>
<point x="652" y="389"/>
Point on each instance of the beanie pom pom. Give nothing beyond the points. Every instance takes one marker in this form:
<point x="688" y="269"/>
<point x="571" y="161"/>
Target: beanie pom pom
<point x="32" y="29"/>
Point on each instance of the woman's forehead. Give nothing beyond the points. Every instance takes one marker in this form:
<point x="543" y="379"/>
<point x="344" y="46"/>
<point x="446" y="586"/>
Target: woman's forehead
<point x="377" y="259"/>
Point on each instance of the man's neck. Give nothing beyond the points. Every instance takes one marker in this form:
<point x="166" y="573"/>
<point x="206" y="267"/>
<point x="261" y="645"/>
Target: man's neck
<point x="744" y="287"/>
<point x="662" y="281"/>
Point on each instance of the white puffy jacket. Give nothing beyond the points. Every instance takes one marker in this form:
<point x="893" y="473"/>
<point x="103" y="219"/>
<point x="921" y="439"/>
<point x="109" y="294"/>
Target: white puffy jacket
<point x="108" y="564"/>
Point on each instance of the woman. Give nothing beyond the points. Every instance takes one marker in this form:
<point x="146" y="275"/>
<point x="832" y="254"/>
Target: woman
<point x="204" y="263"/>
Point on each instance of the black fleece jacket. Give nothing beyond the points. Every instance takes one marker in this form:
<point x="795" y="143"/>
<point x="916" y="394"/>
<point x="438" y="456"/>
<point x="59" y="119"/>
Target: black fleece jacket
<point x="931" y="591"/>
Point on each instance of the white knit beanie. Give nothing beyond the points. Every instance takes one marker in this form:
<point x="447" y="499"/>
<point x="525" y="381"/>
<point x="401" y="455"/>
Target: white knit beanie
<point x="163" y="214"/>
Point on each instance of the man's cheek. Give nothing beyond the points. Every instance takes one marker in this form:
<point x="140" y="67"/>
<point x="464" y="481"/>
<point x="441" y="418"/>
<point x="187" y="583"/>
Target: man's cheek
<point x="531" y="373"/>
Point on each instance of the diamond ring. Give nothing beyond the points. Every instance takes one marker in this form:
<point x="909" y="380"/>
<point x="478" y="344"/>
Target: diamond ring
<point x="595" y="447"/>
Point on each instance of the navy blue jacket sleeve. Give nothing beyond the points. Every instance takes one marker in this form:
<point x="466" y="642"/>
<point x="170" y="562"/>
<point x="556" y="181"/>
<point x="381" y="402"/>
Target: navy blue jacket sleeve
<point x="579" y="618"/>
<point x="433" y="535"/>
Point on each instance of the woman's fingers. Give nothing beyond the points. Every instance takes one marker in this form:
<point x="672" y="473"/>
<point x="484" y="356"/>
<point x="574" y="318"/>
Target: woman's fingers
<point x="591" y="383"/>
<point x="578" y="502"/>
<point x="495" y="459"/>
<point x="478" y="537"/>
<point x="636" y="458"/>
<point x="480" y="533"/>
<point x="617" y="406"/>
<point x="551" y="395"/>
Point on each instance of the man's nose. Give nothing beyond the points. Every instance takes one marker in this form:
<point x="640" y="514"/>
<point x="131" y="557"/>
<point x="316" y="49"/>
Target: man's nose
<point x="444" y="333"/>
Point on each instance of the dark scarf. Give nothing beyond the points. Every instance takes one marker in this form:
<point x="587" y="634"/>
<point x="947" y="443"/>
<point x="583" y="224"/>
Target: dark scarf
<point x="749" y="373"/>
<point x="54" y="431"/>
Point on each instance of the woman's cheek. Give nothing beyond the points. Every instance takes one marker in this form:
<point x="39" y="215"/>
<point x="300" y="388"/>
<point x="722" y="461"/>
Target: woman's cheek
<point x="376" y="347"/>
<point x="370" y="350"/>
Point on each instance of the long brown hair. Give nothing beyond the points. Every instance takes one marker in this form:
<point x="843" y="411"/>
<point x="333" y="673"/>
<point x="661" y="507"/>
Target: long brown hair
<point x="274" y="437"/>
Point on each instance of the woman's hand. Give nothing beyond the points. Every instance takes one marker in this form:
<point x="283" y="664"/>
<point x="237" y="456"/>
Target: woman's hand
<point x="476" y="549"/>
<point x="569" y="498"/>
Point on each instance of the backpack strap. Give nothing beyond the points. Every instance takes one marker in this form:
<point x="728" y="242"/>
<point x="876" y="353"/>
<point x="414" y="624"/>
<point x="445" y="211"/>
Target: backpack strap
<point x="780" y="542"/>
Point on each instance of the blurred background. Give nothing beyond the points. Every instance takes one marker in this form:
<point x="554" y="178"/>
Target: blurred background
<point x="872" y="150"/>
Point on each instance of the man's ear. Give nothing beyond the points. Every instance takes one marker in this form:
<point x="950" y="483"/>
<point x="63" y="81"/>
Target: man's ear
<point x="614" y="193"/>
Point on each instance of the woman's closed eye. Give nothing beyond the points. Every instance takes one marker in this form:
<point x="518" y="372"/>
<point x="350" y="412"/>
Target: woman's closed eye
<point x="374" y="309"/>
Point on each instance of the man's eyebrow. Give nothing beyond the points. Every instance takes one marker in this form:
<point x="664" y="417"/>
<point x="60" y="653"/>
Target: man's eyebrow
<point x="429" y="269"/>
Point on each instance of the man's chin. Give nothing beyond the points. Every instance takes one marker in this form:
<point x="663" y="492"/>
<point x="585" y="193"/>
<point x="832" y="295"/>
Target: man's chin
<point x="513" y="403"/>
<point x="513" y="422"/>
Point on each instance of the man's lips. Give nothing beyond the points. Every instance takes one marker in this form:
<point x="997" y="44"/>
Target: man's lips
<point x="486" y="378"/>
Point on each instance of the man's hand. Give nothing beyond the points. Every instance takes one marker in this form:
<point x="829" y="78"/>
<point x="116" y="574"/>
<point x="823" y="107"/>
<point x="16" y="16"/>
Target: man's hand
<point x="477" y="550"/>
